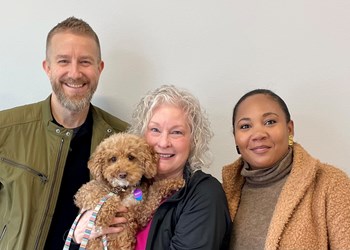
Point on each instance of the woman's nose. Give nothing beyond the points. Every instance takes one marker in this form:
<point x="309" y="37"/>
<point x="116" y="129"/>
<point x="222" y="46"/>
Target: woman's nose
<point x="164" y="140"/>
<point x="259" y="134"/>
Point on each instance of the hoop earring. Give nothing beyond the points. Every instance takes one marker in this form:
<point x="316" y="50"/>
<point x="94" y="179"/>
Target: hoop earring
<point x="238" y="152"/>
<point x="290" y="140"/>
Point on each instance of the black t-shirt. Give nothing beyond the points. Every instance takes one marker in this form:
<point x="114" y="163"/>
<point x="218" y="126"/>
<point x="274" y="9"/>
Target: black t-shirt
<point x="75" y="175"/>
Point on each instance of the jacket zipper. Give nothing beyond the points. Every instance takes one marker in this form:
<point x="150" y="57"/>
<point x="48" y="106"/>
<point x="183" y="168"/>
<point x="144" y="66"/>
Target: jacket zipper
<point x="3" y="232"/>
<point x="26" y="168"/>
<point x="50" y="195"/>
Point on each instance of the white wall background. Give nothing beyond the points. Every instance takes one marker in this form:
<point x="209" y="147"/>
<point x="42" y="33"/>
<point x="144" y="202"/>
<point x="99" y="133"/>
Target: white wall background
<point x="218" y="49"/>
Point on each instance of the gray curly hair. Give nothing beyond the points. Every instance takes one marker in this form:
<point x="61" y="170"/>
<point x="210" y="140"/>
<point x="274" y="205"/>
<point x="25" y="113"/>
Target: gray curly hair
<point x="197" y="119"/>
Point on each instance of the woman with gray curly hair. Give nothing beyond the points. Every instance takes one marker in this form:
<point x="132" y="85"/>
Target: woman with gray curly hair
<point x="196" y="117"/>
<point x="196" y="216"/>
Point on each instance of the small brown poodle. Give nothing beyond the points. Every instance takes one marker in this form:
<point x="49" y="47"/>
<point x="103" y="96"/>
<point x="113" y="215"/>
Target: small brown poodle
<point x="122" y="164"/>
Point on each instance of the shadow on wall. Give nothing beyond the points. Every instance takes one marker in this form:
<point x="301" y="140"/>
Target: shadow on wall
<point x="126" y="77"/>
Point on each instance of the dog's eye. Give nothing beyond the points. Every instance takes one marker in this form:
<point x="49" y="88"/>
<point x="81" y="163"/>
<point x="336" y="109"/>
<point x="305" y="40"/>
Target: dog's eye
<point x="113" y="159"/>
<point x="131" y="157"/>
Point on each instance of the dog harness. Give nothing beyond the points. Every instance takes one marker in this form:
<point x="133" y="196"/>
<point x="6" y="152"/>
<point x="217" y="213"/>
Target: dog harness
<point x="137" y="194"/>
<point x="88" y="229"/>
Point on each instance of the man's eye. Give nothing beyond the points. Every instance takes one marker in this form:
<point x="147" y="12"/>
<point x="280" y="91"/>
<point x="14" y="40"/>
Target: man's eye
<point x="85" y="63"/>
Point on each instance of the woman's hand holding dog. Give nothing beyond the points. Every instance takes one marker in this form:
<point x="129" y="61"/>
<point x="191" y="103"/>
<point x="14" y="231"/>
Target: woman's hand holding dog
<point x="116" y="226"/>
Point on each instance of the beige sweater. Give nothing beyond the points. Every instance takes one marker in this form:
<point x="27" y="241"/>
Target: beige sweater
<point x="313" y="210"/>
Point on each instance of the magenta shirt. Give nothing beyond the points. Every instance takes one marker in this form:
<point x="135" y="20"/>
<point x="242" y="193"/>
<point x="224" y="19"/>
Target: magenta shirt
<point x="141" y="237"/>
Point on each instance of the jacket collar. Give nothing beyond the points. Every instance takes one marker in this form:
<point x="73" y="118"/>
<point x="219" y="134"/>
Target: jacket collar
<point x="49" y="120"/>
<point x="99" y="124"/>
<point x="46" y="110"/>
<point x="302" y="176"/>
<point x="232" y="182"/>
<point x="192" y="178"/>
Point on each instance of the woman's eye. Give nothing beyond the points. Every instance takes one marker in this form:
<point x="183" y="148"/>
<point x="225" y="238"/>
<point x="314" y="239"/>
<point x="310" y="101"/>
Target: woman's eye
<point x="177" y="132"/>
<point x="244" y="126"/>
<point x="270" y="122"/>
<point x="154" y="130"/>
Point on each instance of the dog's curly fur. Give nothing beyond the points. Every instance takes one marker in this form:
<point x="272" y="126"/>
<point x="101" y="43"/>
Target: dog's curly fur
<point x="123" y="161"/>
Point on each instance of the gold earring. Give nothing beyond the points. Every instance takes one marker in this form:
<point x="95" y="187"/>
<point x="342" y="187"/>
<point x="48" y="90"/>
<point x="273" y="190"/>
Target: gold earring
<point x="290" y="140"/>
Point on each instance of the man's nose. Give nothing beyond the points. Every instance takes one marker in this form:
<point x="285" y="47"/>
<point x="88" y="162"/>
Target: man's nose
<point x="74" y="70"/>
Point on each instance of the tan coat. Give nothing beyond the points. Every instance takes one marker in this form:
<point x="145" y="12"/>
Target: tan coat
<point x="313" y="210"/>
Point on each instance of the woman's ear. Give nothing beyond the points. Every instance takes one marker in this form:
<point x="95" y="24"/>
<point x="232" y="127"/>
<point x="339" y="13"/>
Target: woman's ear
<point x="291" y="127"/>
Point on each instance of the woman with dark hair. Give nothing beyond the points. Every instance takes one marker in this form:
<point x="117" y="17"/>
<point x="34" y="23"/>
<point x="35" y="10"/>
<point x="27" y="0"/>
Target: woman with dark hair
<point x="279" y="196"/>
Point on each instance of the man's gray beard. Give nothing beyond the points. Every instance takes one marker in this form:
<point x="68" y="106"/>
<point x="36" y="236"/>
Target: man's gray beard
<point x="75" y="104"/>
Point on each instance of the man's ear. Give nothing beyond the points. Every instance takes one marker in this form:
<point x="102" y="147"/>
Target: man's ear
<point x="101" y="66"/>
<point x="46" y="67"/>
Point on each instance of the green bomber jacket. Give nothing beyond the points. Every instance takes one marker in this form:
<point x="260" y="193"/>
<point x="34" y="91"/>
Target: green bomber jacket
<point x="33" y="151"/>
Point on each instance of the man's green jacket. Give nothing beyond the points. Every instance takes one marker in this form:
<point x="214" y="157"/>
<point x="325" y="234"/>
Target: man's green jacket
<point x="33" y="152"/>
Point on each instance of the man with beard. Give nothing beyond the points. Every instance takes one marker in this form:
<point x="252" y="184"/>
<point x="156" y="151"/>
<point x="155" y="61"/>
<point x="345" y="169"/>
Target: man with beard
<point x="45" y="146"/>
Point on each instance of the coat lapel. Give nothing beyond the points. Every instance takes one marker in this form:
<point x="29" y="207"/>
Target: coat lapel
<point x="299" y="180"/>
<point x="232" y="185"/>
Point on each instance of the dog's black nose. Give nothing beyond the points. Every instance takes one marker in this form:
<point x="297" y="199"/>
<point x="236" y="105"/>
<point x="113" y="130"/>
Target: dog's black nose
<point x="122" y="175"/>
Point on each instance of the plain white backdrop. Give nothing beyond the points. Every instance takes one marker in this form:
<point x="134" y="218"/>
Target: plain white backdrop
<point x="217" y="49"/>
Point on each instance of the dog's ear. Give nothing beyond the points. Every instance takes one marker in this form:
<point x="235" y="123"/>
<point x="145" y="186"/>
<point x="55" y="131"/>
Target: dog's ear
<point x="150" y="160"/>
<point x="95" y="165"/>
